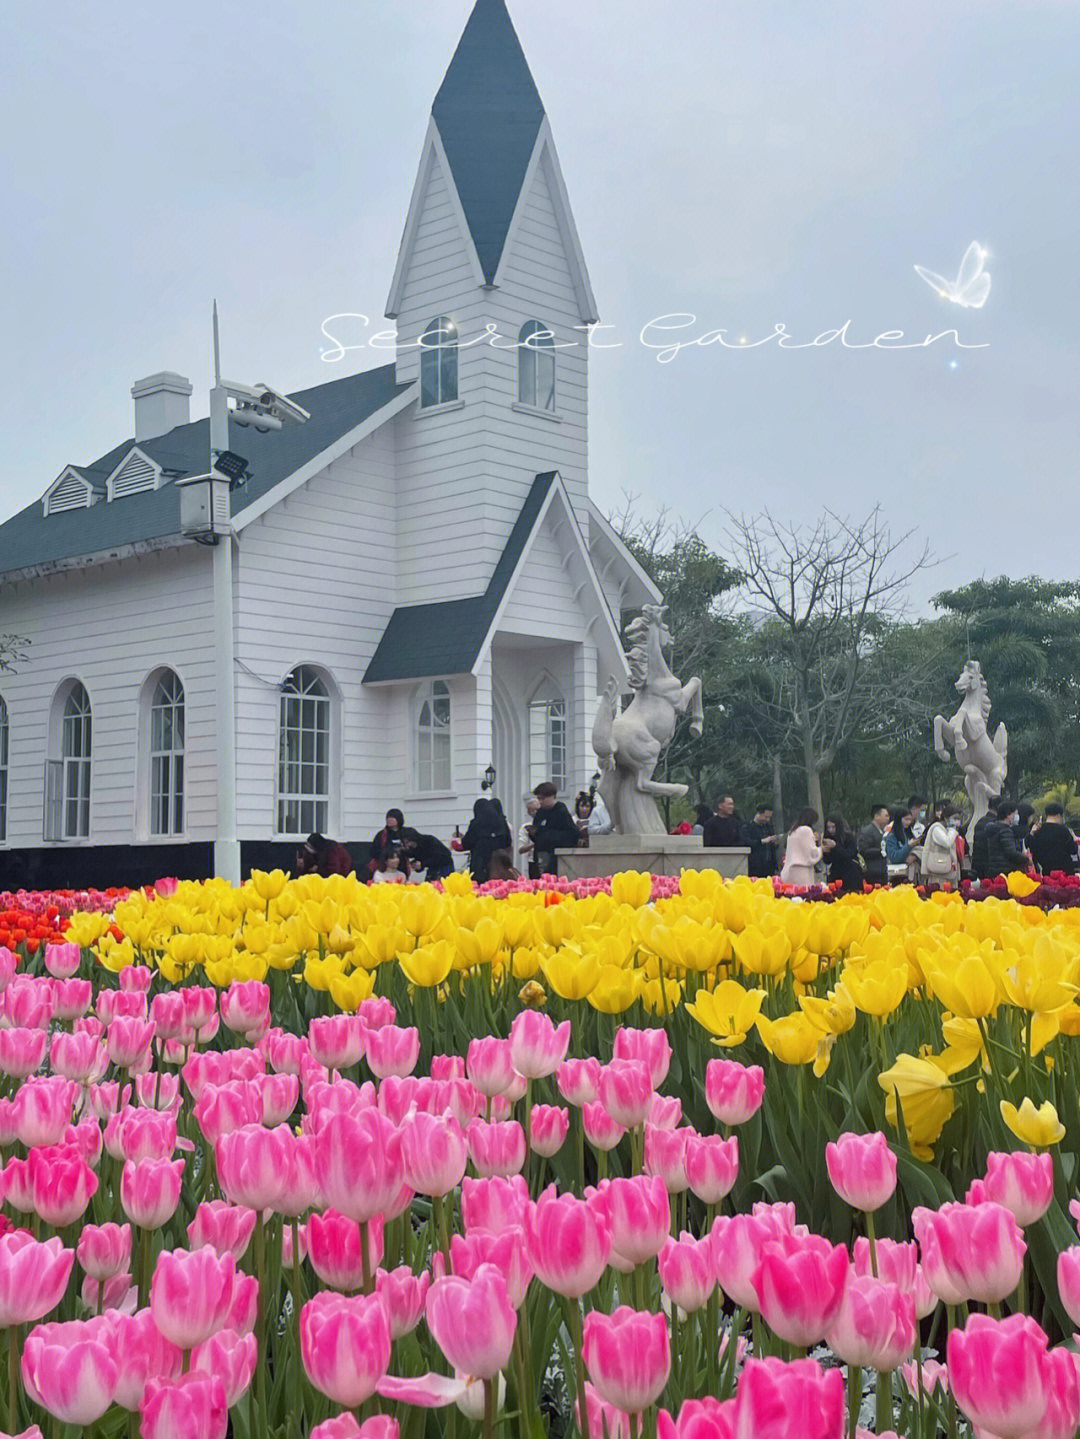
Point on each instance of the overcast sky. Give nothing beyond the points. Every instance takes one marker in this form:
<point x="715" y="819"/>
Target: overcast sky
<point x="745" y="162"/>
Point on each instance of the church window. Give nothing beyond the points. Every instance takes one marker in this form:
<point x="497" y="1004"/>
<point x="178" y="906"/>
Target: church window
<point x="536" y="366"/>
<point x="303" y="789"/>
<point x="167" y="756"/>
<point x="433" y="748"/>
<point x="439" y="363"/>
<point x="69" y="800"/>
<point x="547" y="737"/>
<point x="3" y="769"/>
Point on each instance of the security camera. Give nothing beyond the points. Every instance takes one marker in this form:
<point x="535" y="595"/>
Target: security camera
<point x="255" y="417"/>
<point x="281" y="405"/>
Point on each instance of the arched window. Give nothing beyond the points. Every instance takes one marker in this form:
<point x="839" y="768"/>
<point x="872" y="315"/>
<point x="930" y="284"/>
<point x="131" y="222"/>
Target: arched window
<point x="303" y="788"/>
<point x="167" y="756"/>
<point x="547" y="736"/>
<point x="438" y="362"/>
<point x="433" y="749"/>
<point x="536" y="366"/>
<point x="3" y="769"/>
<point x="76" y="747"/>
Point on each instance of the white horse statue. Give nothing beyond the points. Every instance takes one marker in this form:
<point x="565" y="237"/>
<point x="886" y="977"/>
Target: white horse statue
<point x="628" y="745"/>
<point x="985" y="763"/>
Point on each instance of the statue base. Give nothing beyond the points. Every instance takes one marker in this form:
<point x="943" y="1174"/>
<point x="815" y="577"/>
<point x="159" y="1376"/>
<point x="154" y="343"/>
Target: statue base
<point x="666" y="854"/>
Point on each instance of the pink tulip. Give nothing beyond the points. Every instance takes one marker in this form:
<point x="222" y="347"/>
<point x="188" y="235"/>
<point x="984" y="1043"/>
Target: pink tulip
<point x="1068" y="1278"/>
<point x="71" y="999"/>
<point x="639" y="1215"/>
<point x="121" y="1004"/>
<point x="459" y="1098"/>
<point x="600" y="1129"/>
<point x="665" y="1156"/>
<point x="578" y="1081"/>
<point x="22" y="1051"/>
<point x="27" y="1003"/>
<point x="473" y="1321"/>
<point x="191" y="1294"/>
<point x="191" y="1407"/>
<point x="158" y="1091"/>
<point x="686" y="1272"/>
<point x="338" y="1041"/>
<point x="899" y="1264"/>
<point x="200" y="1015"/>
<point x="61" y="1184"/>
<point x="33" y="1277"/>
<point x="706" y="1418"/>
<point x="226" y="1228"/>
<point x="142" y="1353"/>
<point x="336" y="1252"/>
<point x="626" y="1091"/>
<point x="933" y="1376"/>
<point x="167" y="1014"/>
<point x="223" y="1108"/>
<point x="359" y="1164"/>
<point x="104" y="1250"/>
<point x="970" y="1251"/>
<point x="1009" y="1383"/>
<point x="70" y="1370"/>
<point x="649" y="1046"/>
<point x="712" y="1166"/>
<point x="548" y="1127"/>
<point x="376" y="1012"/>
<point x="506" y="1250"/>
<point x="403" y="1294"/>
<point x="738" y="1242"/>
<point x="800" y="1283"/>
<point x="118" y="1293"/>
<point x="42" y="1110"/>
<point x="221" y="1067"/>
<point x="605" y="1421"/>
<point x="537" y="1048"/>
<point x="1022" y="1183"/>
<point x="495" y="1203"/>
<point x="392" y="1050"/>
<point x="135" y="1134"/>
<point x="862" y="1170"/>
<point x="733" y="1091"/>
<point x="628" y="1356"/>
<point x="230" y="1357"/>
<point x="496" y="1150"/>
<point x="874" y="1326"/>
<point x="379" y="1426"/>
<point x="135" y="979"/>
<point x="62" y="960"/>
<point x="448" y="1066"/>
<point x="9" y="965"/>
<point x="277" y="1097"/>
<point x="799" y="1400"/>
<point x="150" y="1191"/>
<point x="129" y="1042"/>
<point x="285" y="1051"/>
<point x="345" y="1346"/>
<point x="252" y="1163"/>
<point x="665" y="1112"/>
<point x="568" y="1242"/>
<point x="433" y="1153"/>
<point x="245" y="1007"/>
<point x="15" y="1186"/>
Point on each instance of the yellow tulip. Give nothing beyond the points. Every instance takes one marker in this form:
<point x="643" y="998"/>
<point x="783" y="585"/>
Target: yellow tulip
<point x="348" y="991"/>
<point x="1020" y="885"/>
<point x="835" y="1015"/>
<point x="571" y="974"/>
<point x="428" y="965"/>
<point x="460" y="882"/>
<point x="967" y="988"/>
<point x="526" y="963"/>
<point x="921" y="1088"/>
<point x="792" y="1039"/>
<point x="761" y="951"/>
<point x="616" y="989"/>
<point x="115" y="954"/>
<point x="268" y="885"/>
<point x="319" y="972"/>
<point x="533" y="995"/>
<point x="663" y="1001"/>
<point x="86" y="929"/>
<point x="480" y="944"/>
<point x="877" y="988"/>
<point x="728" y="1011"/>
<point x="1038" y="1127"/>
<point x="631" y="887"/>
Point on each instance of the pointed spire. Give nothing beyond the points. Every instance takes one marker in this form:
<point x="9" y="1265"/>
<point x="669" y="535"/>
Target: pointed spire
<point x="488" y="113"/>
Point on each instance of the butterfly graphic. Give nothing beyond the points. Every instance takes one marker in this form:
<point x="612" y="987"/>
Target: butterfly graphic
<point x="972" y="284"/>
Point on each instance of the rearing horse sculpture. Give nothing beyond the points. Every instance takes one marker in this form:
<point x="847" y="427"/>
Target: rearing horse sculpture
<point x="985" y="763"/>
<point x="628" y="745"/>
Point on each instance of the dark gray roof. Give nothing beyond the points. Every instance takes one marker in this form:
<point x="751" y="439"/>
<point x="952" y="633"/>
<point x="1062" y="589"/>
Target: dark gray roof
<point x="446" y="637"/>
<point x="32" y="538"/>
<point x="488" y="112"/>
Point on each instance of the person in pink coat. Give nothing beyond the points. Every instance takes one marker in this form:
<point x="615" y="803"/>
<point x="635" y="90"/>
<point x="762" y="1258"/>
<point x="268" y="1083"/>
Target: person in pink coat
<point x="803" y="851"/>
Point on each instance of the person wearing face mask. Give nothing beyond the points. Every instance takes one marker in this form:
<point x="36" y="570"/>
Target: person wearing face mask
<point x="1004" y="848"/>
<point x="916" y="808"/>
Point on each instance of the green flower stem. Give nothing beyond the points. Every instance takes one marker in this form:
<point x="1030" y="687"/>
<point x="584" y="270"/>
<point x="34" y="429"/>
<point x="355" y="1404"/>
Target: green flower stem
<point x="884" y="1409"/>
<point x="13" y="1378"/>
<point x="577" y="1336"/>
<point x="489" y="1409"/>
<point x="260" y="1322"/>
<point x="871" y="1238"/>
<point x="854" y="1398"/>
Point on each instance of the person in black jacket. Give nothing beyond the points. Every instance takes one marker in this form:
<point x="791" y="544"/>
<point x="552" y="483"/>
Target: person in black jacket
<point x="428" y="854"/>
<point x="487" y="832"/>
<point x="1004" y="850"/>
<point x="869" y="841"/>
<point x="552" y="828"/>
<point x="979" y="838"/>
<point x="723" y="830"/>
<point x="1052" y="844"/>
<point x="759" y="837"/>
<point x="841" y="851"/>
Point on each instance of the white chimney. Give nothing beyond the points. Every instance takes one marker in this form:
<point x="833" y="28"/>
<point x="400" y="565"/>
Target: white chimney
<point x="161" y="403"/>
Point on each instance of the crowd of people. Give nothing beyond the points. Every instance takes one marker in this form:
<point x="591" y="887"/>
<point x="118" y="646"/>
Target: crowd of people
<point x="895" y="845"/>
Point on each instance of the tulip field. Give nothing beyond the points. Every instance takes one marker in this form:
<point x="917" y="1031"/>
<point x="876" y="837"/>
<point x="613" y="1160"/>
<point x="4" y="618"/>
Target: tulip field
<point x="677" y="1159"/>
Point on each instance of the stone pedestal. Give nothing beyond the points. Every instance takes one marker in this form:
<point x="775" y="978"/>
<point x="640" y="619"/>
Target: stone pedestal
<point x="667" y="854"/>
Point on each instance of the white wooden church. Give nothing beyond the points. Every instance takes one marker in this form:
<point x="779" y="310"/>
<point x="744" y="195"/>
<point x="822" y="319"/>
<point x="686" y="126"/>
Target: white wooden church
<point x="410" y="586"/>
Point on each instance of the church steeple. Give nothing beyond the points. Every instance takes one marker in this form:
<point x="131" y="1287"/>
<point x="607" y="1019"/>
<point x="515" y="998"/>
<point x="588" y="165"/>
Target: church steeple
<point x="488" y="114"/>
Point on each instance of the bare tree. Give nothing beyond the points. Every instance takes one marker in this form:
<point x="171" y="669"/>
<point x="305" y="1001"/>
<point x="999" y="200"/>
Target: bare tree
<point x="12" y="651"/>
<point x="827" y="593"/>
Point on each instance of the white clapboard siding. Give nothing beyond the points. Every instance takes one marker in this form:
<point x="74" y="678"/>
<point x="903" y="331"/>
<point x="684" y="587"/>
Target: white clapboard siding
<point x="111" y="626"/>
<point x="542" y="602"/>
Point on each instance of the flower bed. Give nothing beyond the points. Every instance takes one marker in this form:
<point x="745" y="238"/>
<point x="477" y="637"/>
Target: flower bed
<point x="308" y="1157"/>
